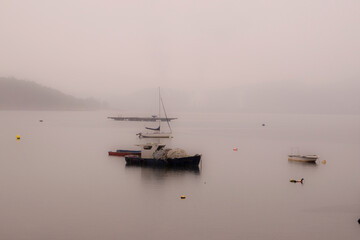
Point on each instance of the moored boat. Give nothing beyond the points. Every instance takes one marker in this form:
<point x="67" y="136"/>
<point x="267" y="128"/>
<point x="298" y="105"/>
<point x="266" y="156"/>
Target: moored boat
<point x="157" y="154"/>
<point x="123" y="153"/>
<point x="155" y="131"/>
<point x="302" y="158"/>
<point x="155" y="135"/>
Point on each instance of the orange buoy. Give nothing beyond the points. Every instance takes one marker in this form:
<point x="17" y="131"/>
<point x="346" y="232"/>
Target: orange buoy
<point x="182" y="197"/>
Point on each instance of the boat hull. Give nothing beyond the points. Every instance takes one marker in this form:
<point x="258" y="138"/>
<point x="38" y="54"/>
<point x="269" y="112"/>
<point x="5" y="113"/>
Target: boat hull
<point x="166" y="168"/>
<point x="185" y="161"/>
<point x="300" y="158"/>
<point x="123" y="153"/>
<point x="154" y="135"/>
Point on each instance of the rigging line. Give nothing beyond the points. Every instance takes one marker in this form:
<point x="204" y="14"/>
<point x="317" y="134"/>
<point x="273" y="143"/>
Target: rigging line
<point x="167" y="120"/>
<point x="159" y="110"/>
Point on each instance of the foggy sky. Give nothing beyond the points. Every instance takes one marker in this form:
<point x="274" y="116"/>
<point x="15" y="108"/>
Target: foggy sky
<point x="109" y="48"/>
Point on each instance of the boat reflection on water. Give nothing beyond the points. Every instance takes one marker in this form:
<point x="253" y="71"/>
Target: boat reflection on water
<point x="155" y="174"/>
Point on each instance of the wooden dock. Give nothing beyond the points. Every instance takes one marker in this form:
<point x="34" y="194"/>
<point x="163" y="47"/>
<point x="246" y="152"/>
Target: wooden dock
<point x="142" y="119"/>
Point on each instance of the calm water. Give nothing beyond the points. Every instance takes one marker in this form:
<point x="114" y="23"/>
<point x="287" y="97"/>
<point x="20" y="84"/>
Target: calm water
<point x="58" y="182"/>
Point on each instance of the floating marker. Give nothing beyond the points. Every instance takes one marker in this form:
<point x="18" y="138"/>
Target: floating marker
<point x="182" y="197"/>
<point x="235" y="148"/>
<point x="323" y="161"/>
<point x="18" y="137"/>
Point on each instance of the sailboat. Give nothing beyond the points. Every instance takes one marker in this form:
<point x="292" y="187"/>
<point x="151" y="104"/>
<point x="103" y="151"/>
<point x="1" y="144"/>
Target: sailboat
<point x="156" y="132"/>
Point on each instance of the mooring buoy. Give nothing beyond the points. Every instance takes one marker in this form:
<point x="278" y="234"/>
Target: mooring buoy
<point x="182" y="197"/>
<point x="18" y="137"/>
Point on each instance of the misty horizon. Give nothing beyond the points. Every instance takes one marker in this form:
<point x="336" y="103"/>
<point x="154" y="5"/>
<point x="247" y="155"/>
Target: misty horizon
<point x="229" y="55"/>
<point x="297" y="99"/>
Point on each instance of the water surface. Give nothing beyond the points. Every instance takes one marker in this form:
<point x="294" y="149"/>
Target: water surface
<point x="58" y="182"/>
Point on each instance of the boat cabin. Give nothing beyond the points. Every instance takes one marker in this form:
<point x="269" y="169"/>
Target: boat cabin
<point x="148" y="150"/>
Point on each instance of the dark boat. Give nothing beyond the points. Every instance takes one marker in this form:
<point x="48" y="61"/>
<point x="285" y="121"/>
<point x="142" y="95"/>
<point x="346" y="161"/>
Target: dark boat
<point x="166" y="168"/>
<point x="123" y="153"/>
<point x="157" y="154"/>
<point x="190" y="161"/>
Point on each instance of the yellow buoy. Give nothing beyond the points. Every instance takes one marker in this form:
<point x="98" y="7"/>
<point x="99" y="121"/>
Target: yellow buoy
<point x="17" y="137"/>
<point x="182" y="197"/>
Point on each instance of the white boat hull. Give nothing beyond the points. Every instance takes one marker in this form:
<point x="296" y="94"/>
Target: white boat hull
<point x="155" y="135"/>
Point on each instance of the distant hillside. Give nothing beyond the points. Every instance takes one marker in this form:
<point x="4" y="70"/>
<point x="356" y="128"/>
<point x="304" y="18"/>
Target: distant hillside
<point x="25" y="95"/>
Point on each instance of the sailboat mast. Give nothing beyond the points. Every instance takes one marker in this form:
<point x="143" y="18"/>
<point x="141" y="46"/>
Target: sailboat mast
<point x="159" y="109"/>
<point x="167" y="119"/>
<point x="159" y="103"/>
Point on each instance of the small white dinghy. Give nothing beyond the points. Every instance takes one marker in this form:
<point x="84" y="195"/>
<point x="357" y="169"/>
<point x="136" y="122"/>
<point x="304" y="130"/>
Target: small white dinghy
<point x="302" y="158"/>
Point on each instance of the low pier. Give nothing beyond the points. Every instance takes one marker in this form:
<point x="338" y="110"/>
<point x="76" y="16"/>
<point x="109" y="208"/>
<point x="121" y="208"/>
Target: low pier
<point x="142" y="119"/>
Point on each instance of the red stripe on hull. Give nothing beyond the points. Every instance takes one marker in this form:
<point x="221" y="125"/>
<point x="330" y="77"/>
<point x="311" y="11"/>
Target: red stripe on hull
<point x="122" y="154"/>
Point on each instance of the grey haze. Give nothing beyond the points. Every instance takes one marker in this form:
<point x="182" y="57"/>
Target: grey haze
<point x="258" y="55"/>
